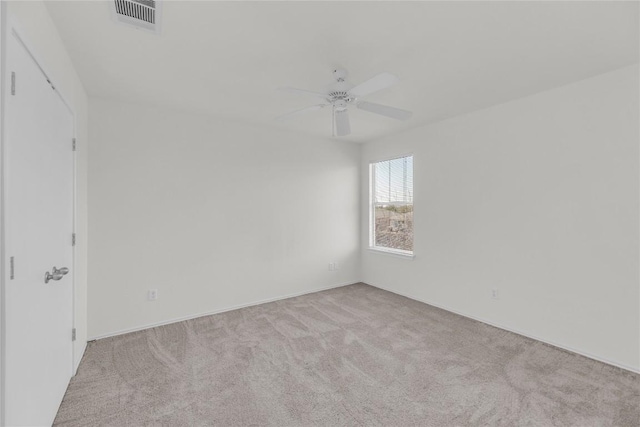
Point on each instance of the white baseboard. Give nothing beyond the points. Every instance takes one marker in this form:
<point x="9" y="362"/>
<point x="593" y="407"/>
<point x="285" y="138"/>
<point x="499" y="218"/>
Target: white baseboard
<point x="515" y="331"/>
<point x="221" y="310"/>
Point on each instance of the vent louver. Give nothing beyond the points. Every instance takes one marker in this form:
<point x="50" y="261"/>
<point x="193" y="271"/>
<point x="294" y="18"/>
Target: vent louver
<point x="142" y="14"/>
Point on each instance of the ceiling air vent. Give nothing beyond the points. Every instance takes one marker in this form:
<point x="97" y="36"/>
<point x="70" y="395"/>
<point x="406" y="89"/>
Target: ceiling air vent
<point x="143" y="14"/>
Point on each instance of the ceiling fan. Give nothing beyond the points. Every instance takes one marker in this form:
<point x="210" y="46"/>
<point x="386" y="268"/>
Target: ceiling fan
<point x="341" y="93"/>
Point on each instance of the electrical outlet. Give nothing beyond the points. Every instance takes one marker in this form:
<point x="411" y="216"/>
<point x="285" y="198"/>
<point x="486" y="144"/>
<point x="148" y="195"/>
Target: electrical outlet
<point x="335" y="266"/>
<point x="152" y="295"/>
<point x="495" y="294"/>
<point x="330" y="266"/>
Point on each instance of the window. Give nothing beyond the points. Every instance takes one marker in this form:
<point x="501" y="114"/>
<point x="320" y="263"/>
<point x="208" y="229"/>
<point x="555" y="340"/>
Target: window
<point x="392" y="205"/>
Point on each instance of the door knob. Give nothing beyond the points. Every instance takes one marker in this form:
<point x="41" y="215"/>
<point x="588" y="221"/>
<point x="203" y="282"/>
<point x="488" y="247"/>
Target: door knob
<point x="56" y="274"/>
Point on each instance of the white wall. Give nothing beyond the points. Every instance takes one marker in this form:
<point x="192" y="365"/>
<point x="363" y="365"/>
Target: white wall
<point x="537" y="197"/>
<point x="41" y="35"/>
<point x="213" y="214"/>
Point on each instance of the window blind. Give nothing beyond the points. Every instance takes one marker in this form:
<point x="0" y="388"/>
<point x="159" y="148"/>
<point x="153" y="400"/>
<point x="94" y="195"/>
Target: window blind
<point x="392" y="204"/>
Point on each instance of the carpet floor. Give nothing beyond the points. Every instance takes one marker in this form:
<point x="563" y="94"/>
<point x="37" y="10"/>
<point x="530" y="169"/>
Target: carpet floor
<point x="351" y="356"/>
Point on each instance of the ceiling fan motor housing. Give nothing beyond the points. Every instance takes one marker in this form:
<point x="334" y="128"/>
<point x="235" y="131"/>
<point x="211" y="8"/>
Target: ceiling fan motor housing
<point x="340" y="104"/>
<point x="339" y="93"/>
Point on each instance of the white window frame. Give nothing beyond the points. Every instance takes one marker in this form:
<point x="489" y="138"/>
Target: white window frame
<point x="372" y="212"/>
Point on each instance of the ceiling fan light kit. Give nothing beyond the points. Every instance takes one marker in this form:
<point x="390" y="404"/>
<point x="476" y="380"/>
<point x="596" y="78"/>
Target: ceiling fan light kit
<point x="341" y="94"/>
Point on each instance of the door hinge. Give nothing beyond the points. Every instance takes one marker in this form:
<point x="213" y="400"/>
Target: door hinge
<point x="73" y="144"/>
<point x="73" y="239"/>
<point x="13" y="83"/>
<point x="73" y="334"/>
<point x="11" y="269"/>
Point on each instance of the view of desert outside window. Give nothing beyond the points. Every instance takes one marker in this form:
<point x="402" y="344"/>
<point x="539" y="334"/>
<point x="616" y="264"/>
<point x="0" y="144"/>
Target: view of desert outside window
<point x="393" y="204"/>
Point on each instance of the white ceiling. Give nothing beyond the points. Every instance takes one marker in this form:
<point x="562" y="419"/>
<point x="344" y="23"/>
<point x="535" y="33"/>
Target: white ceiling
<point x="228" y="58"/>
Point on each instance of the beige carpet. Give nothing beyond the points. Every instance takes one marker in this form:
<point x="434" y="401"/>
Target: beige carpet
<point x="355" y="356"/>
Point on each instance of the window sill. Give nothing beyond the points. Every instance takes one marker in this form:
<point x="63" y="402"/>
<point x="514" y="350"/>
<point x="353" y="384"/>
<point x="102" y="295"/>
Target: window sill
<point x="399" y="254"/>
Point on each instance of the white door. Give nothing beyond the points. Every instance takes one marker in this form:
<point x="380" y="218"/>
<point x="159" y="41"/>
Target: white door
<point x="38" y="166"/>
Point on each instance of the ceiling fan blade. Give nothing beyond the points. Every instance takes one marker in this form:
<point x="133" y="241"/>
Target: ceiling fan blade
<point x="379" y="82"/>
<point x="303" y="91"/>
<point x="301" y="111"/>
<point x="341" y="118"/>
<point x="385" y="110"/>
